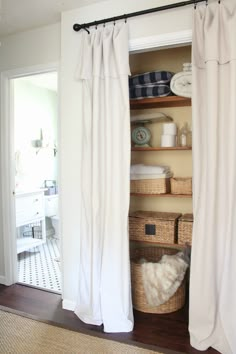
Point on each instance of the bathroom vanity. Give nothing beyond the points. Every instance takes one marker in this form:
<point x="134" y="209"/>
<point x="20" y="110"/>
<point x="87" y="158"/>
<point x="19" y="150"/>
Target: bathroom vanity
<point x="30" y="210"/>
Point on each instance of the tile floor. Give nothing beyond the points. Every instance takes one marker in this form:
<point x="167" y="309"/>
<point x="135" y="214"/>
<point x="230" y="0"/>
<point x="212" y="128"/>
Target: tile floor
<point x="40" y="266"/>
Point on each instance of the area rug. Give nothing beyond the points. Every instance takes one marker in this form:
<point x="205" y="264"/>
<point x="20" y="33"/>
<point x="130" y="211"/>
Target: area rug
<point x="19" y="334"/>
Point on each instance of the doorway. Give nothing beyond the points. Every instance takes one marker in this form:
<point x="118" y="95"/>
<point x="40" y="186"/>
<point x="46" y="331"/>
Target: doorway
<point x="35" y="117"/>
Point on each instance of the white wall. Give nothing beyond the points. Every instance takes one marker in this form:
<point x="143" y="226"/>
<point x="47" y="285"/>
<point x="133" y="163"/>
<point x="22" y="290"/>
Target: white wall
<point x="32" y="48"/>
<point x="144" y="26"/>
<point x="38" y="46"/>
<point x="35" y="113"/>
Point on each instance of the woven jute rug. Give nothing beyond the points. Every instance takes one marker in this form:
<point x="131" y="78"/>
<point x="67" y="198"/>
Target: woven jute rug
<point x="19" y="334"/>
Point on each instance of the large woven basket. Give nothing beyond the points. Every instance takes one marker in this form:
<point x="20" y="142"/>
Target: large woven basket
<point x="185" y="228"/>
<point x="150" y="186"/>
<point x="152" y="254"/>
<point x="181" y="185"/>
<point x="153" y="226"/>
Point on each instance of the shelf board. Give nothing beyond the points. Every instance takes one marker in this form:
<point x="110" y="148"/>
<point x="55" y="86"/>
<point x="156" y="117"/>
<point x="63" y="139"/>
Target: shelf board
<point x="160" y="102"/>
<point x="171" y="245"/>
<point x="167" y="195"/>
<point x="159" y="148"/>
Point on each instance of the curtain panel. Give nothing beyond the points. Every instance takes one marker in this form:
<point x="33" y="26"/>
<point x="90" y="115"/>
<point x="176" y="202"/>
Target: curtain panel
<point x="104" y="289"/>
<point x="212" y="313"/>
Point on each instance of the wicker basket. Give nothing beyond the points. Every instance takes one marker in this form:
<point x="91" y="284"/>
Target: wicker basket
<point x="153" y="226"/>
<point x="152" y="254"/>
<point x="185" y="227"/>
<point x="150" y="186"/>
<point x="181" y="185"/>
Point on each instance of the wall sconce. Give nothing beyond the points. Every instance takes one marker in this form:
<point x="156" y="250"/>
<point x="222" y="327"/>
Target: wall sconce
<point x="40" y="144"/>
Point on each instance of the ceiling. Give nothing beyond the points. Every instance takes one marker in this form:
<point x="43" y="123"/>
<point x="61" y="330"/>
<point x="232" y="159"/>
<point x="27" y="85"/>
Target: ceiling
<point x="22" y="15"/>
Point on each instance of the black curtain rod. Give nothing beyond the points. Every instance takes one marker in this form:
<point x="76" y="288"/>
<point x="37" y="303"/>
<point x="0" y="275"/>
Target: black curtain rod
<point x="85" y="26"/>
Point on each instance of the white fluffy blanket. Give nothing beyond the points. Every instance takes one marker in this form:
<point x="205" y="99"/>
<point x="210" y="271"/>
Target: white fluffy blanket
<point x="162" y="279"/>
<point x="181" y="84"/>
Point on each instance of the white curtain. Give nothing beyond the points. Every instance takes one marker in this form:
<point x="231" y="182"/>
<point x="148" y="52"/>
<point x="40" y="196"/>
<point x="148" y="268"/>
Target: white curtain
<point x="104" y="289"/>
<point x="212" y="311"/>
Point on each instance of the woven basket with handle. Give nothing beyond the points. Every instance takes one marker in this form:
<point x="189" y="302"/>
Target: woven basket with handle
<point x="185" y="228"/>
<point x="153" y="226"/>
<point x="152" y="254"/>
<point x="150" y="186"/>
<point x="181" y="185"/>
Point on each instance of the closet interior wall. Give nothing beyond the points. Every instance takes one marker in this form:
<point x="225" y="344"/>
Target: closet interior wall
<point x="180" y="162"/>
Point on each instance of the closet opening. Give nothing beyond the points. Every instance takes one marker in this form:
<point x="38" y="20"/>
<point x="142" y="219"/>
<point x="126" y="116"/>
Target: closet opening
<point x="161" y="168"/>
<point x="35" y="117"/>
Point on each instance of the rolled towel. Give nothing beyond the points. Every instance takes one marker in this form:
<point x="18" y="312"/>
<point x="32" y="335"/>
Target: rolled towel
<point x="149" y="91"/>
<point x="181" y="84"/>
<point x="144" y="169"/>
<point x="187" y="67"/>
<point x="155" y="77"/>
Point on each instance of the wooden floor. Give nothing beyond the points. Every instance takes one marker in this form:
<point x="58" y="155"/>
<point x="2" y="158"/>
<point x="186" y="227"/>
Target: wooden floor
<point x="169" y="332"/>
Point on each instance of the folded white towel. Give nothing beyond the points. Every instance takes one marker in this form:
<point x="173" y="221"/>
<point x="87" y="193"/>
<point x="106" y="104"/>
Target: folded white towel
<point x="161" y="280"/>
<point x="187" y="67"/>
<point x="181" y="84"/>
<point x="150" y="117"/>
<point x="134" y="177"/>
<point x="147" y="169"/>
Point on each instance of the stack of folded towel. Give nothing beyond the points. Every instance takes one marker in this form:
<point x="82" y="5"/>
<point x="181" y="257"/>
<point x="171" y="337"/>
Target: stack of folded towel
<point x="150" y="84"/>
<point x="141" y="171"/>
<point x="181" y="83"/>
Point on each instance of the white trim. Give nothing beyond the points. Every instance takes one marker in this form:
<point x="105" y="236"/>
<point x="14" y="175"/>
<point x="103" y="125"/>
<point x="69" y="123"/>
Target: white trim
<point x="68" y="305"/>
<point x="166" y="40"/>
<point x="31" y="70"/>
<point x="2" y="280"/>
<point x="7" y="188"/>
<point x="7" y="165"/>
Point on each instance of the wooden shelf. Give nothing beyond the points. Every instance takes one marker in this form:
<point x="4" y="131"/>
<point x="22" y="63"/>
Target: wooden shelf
<point x="160" y="102"/>
<point x="167" y="195"/>
<point x="171" y="245"/>
<point x="159" y="148"/>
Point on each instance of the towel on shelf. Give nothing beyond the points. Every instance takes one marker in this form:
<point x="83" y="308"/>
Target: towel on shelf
<point x="151" y="77"/>
<point x="148" y="117"/>
<point x="136" y="177"/>
<point x="149" y="91"/>
<point x="161" y="280"/>
<point x="181" y="84"/>
<point x="147" y="169"/>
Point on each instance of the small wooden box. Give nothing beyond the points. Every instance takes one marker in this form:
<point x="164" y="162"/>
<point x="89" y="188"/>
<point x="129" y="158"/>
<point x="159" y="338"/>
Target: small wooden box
<point x="152" y="226"/>
<point x="185" y="227"/>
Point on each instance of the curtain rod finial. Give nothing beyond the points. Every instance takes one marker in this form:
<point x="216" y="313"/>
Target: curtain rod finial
<point x="77" y="27"/>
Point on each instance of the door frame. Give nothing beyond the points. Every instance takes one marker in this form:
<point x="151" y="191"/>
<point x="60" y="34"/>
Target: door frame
<point x="6" y="125"/>
<point x="8" y="162"/>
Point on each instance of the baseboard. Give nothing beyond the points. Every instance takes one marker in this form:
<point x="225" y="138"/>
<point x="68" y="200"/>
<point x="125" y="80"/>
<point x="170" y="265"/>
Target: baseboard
<point x="68" y="305"/>
<point x="2" y="280"/>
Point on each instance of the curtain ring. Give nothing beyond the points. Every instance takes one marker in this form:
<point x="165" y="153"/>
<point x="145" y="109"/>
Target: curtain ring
<point x="206" y="2"/>
<point x="219" y="2"/>
<point x="104" y="24"/>
<point x="125" y="17"/>
<point x="195" y="4"/>
<point x="96" y="25"/>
